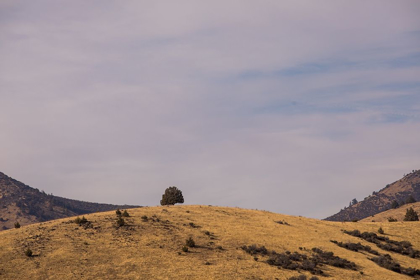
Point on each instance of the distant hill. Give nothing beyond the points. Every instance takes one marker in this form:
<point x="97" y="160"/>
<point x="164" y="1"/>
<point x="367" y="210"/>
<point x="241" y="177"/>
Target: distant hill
<point x="381" y="201"/>
<point x="230" y="243"/>
<point x="26" y="205"/>
<point x="397" y="214"/>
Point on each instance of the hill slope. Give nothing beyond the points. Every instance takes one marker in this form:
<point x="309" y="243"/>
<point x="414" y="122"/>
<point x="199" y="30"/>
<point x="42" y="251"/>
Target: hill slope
<point x="382" y="200"/>
<point x="19" y="202"/>
<point x="397" y="214"/>
<point x="150" y="246"/>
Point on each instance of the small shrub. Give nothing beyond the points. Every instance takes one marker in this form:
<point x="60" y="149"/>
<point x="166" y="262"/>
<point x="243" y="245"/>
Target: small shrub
<point x="190" y="242"/>
<point x="411" y="215"/>
<point x="118" y="212"/>
<point x="185" y="249"/>
<point x="254" y="250"/>
<point x="125" y="214"/>
<point x="300" y="277"/>
<point x="79" y="221"/>
<point x="381" y="231"/>
<point x="120" y="222"/>
<point x="207" y="232"/>
<point x="28" y="252"/>
<point x="17" y="225"/>
<point x="390" y="219"/>
<point x="144" y="218"/>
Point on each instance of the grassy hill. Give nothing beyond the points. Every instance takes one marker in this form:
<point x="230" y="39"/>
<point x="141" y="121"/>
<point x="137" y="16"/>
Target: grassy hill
<point x="150" y="246"/>
<point x="382" y="200"/>
<point x="397" y="214"/>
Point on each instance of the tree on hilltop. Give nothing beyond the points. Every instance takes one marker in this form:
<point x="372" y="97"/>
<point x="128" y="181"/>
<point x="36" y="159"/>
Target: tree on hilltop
<point x="171" y="196"/>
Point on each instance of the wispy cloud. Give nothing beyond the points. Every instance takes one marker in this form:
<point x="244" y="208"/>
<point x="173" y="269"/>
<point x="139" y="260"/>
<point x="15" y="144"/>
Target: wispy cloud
<point x="289" y="107"/>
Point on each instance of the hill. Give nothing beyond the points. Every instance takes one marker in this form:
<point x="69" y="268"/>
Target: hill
<point x="381" y="201"/>
<point x="151" y="246"/>
<point x="397" y="214"/>
<point x="26" y="205"/>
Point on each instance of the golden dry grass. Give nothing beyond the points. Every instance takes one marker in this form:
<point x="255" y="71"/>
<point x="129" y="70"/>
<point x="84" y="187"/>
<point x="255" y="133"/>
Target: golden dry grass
<point x="153" y="249"/>
<point x="398" y="213"/>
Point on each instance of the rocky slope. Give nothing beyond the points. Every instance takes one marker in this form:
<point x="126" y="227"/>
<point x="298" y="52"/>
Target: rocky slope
<point x="381" y="201"/>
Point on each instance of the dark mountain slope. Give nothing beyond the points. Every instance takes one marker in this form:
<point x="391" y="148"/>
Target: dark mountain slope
<point x="19" y="202"/>
<point x="381" y="201"/>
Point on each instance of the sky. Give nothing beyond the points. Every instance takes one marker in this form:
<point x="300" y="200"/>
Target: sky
<point x="294" y="107"/>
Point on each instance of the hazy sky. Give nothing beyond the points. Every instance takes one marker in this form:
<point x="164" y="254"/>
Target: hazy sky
<point x="294" y="107"/>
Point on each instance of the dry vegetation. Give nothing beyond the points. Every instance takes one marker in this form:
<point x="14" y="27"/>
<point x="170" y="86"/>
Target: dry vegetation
<point x="149" y="245"/>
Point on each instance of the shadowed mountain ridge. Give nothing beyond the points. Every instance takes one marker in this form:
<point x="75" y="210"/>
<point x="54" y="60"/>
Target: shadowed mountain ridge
<point x="382" y="200"/>
<point x="26" y="205"/>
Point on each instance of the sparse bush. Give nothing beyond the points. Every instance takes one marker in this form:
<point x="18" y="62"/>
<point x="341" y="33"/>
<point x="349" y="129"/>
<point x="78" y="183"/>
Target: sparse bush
<point x="381" y="231"/>
<point x="297" y="261"/>
<point x="17" y="225"/>
<point x="81" y="221"/>
<point x="254" y="250"/>
<point x="125" y="214"/>
<point x="118" y="212"/>
<point x="190" y="242"/>
<point x="185" y="249"/>
<point x="28" y="252"/>
<point x="207" y="232"/>
<point x="356" y="247"/>
<point x="300" y="277"/>
<point x="391" y="220"/>
<point x="383" y="242"/>
<point x="411" y="215"/>
<point x="120" y="222"/>
<point x="171" y="196"/>
<point x="144" y="218"/>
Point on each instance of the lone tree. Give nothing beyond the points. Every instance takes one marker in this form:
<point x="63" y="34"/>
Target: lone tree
<point x="171" y="196"/>
<point x="411" y="215"/>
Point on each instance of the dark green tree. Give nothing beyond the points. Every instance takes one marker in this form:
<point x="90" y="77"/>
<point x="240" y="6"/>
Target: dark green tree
<point x="411" y="215"/>
<point x="171" y="196"/>
<point x="395" y="204"/>
<point x="410" y="199"/>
